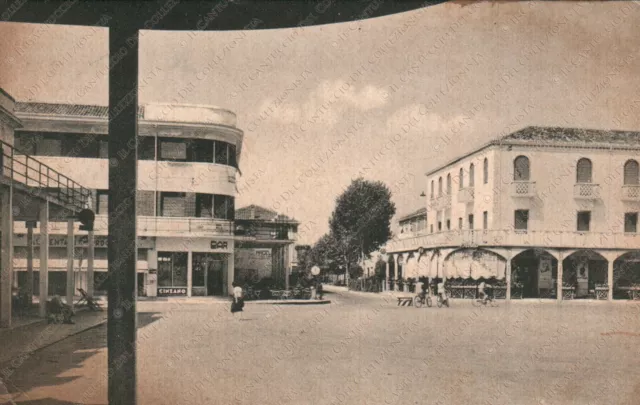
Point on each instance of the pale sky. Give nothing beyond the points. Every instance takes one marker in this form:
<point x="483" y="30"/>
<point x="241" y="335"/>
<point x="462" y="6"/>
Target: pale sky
<point x="469" y="74"/>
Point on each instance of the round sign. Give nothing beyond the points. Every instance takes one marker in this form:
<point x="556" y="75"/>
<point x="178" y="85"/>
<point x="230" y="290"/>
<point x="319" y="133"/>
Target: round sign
<point x="315" y="270"/>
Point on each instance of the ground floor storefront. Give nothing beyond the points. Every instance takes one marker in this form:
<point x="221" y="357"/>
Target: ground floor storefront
<point x="166" y="266"/>
<point x="520" y="273"/>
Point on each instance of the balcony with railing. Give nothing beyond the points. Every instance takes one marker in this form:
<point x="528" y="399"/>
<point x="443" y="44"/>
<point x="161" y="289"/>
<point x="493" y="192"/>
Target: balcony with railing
<point x="466" y="195"/>
<point x="523" y="189"/>
<point x="586" y="191"/>
<point x="31" y="173"/>
<point x="631" y="192"/>
<point x="151" y="226"/>
<point x="516" y="238"/>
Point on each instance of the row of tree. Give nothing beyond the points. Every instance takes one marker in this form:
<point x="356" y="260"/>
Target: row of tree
<point x="360" y="224"/>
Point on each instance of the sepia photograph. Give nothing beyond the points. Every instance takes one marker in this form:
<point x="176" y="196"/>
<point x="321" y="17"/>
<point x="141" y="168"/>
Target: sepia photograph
<point x="319" y="202"/>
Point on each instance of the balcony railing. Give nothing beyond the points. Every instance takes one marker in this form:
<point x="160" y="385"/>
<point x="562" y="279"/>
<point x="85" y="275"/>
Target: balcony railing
<point x="24" y="169"/>
<point x="631" y="192"/>
<point x="525" y="189"/>
<point x="586" y="191"/>
<point x="466" y="195"/>
<point x="441" y="202"/>
<point x="151" y="226"/>
<point x="515" y="238"/>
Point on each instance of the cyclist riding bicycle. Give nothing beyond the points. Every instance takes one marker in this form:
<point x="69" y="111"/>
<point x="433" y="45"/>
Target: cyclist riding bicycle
<point x="481" y="293"/>
<point x="441" y="291"/>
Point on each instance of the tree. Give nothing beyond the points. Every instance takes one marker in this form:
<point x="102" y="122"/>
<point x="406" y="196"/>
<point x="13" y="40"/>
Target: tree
<point x="361" y="221"/>
<point x="380" y="269"/>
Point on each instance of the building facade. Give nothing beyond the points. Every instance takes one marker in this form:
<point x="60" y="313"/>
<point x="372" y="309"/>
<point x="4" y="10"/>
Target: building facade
<point x="548" y="212"/>
<point x="412" y="224"/>
<point x="188" y="158"/>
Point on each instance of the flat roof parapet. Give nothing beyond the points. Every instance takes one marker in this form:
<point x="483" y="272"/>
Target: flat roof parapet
<point x="189" y="113"/>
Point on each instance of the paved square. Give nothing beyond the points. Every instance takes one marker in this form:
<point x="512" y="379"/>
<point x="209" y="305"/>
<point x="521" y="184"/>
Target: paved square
<point x="361" y="349"/>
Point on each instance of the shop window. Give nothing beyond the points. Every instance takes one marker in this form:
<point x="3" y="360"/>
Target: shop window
<point x="521" y="222"/>
<point x="103" y="149"/>
<point x="49" y="147"/>
<point x="232" y="156"/>
<point x="172" y="269"/>
<point x="224" y="207"/>
<point x="172" y="204"/>
<point x="204" y="205"/>
<point x="221" y="153"/>
<point x="25" y="142"/>
<point x="147" y="148"/>
<point x="584" y="221"/>
<point x="631" y="173"/>
<point x="521" y="170"/>
<point x="485" y="220"/>
<point x="173" y="150"/>
<point x="201" y="150"/>
<point x="102" y="202"/>
<point x="145" y="202"/>
<point x="631" y="222"/>
<point x="584" y="171"/>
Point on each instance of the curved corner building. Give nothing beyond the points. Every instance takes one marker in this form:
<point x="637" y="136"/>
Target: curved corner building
<point x="188" y="159"/>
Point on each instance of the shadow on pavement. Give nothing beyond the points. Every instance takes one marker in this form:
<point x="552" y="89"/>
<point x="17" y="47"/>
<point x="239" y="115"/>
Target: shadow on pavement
<point x="43" y="368"/>
<point x="53" y="401"/>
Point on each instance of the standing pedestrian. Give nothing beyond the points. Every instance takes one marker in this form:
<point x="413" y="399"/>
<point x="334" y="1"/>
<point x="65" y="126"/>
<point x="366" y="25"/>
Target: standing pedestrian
<point x="238" y="302"/>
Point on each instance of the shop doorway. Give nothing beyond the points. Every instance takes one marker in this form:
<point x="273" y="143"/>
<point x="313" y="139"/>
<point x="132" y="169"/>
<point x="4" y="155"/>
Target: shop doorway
<point x="208" y="274"/>
<point x="533" y="274"/>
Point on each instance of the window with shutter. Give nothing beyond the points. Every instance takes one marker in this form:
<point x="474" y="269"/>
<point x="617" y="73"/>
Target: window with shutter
<point x="583" y="171"/>
<point x="173" y="204"/>
<point x="521" y="168"/>
<point x="521" y="220"/>
<point x="631" y="173"/>
<point x="485" y="171"/>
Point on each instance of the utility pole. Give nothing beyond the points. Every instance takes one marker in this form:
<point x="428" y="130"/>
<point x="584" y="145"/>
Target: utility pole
<point x="122" y="247"/>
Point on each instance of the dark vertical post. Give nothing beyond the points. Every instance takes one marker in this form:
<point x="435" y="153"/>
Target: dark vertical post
<point x="122" y="250"/>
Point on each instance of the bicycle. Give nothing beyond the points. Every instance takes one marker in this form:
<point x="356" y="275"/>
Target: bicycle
<point x="421" y="299"/>
<point x="442" y="302"/>
<point x="488" y="299"/>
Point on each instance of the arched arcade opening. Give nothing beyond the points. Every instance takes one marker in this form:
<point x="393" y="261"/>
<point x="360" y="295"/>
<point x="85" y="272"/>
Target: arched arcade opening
<point x="533" y="274"/>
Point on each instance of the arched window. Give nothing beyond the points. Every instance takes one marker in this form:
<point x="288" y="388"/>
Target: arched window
<point x="485" y="171"/>
<point x="440" y="186"/>
<point x="471" y="176"/>
<point x="521" y="168"/>
<point x="432" y="189"/>
<point x="448" y="183"/>
<point x="461" y="180"/>
<point x="583" y="171"/>
<point x="631" y="172"/>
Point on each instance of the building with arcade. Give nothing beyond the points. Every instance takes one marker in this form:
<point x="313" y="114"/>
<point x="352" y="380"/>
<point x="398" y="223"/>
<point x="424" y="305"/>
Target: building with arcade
<point x="542" y="212"/>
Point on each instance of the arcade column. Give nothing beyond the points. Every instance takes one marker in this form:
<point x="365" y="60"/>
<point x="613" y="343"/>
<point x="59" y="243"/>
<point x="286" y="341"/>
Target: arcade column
<point x="6" y="273"/>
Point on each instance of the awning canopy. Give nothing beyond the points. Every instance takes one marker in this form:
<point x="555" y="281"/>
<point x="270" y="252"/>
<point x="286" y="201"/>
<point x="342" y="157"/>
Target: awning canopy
<point x="474" y="264"/>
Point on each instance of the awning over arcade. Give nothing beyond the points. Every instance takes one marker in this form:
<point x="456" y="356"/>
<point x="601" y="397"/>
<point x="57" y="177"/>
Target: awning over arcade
<point x="474" y="264"/>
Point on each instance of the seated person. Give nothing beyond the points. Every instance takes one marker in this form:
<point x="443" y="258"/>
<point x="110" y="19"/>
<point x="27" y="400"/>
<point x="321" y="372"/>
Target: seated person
<point x="56" y="307"/>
